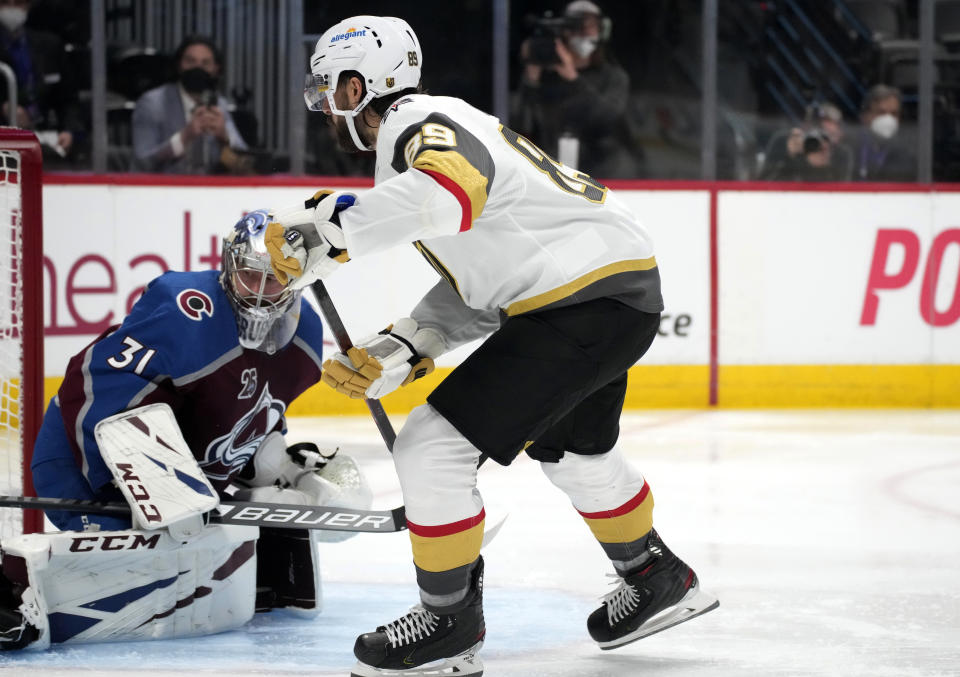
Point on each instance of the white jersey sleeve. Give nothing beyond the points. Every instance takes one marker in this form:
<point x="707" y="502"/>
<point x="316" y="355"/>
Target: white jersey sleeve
<point x="506" y="225"/>
<point x="409" y="207"/>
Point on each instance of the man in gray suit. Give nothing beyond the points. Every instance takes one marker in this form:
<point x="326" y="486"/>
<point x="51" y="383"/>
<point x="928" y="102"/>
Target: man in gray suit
<point x="184" y="127"/>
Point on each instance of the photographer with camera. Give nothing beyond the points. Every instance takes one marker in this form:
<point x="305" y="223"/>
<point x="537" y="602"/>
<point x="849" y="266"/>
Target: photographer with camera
<point x="185" y="127"/>
<point x="572" y="89"/>
<point x="813" y="152"/>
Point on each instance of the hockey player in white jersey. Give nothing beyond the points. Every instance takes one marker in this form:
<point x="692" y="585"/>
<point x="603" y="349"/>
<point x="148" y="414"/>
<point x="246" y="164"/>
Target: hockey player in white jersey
<point x="183" y="402"/>
<point x="559" y="276"/>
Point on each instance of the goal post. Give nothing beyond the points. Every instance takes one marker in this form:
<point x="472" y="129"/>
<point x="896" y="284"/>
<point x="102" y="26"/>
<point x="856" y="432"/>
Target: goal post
<point x="21" y="320"/>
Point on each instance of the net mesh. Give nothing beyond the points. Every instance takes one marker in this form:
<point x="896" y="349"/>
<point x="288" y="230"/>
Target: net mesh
<point x="11" y="343"/>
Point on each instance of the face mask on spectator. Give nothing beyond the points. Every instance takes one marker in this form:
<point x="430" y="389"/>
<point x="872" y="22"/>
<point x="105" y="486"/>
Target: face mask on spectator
<point x="582" y="46"/>
<point x="885" y="126"/>
<point x="197" y="80"/>
<point x="12" y="17"/>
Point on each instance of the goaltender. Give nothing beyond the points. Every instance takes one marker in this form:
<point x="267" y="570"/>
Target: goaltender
<point x="205" y="362"/>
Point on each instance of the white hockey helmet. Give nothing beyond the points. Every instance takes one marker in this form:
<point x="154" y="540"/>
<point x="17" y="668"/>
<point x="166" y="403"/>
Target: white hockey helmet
<point x="267" y="312"/>
<point x="383" y="49"/>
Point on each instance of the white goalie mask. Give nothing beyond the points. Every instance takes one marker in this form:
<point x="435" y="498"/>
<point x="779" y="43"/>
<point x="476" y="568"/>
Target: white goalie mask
<point x="267" y="312"/>
<point x="383" y="49"/>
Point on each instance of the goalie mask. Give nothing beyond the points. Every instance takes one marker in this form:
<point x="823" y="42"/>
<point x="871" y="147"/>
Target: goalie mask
<point x="267" y="312"/>
<point x="383" y="49"/>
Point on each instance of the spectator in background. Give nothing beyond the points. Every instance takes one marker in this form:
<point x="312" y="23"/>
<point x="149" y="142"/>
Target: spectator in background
<point x="185" y="127"/>
<point x="880" y="153"/>
<point x="572" y="88"/>
<point x="46" y="98"/>
<point x="814" y="151"/>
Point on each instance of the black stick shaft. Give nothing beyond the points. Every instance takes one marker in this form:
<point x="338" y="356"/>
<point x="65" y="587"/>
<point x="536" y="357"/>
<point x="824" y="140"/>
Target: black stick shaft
<point x="278" y="515"/>
<point x="344" y="343"/>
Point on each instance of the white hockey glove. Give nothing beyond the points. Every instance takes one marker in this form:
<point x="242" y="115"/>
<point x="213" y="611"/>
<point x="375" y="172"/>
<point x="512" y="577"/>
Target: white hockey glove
<point x="306" y="243"/>
<point x="304" y="475"/>
<point x="379" y="364"/>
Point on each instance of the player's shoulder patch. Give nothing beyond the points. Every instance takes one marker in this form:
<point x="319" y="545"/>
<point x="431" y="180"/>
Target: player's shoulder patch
<point x="192" y="295"/>
<point x="436" y="131"/>
<point x="195" y="304"/>
<point x="186" y="319"/>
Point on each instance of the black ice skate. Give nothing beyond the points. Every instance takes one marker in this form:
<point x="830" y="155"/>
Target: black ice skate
<point x="424" y="643"/>
<point x="663" y="593"/>
<point x="15" y="632"/>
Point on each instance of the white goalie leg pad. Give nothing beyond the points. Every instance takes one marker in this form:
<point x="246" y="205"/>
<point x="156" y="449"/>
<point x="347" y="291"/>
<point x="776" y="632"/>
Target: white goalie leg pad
<point x="155" y="470"/>
<point x="133" y="585"/>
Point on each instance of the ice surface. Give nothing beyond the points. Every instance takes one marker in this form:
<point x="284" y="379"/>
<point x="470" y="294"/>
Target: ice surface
<point x="831" y="537"/>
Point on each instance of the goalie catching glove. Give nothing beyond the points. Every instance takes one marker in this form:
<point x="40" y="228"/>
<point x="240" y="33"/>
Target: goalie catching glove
<point x="306" y="243"/>
<point x="303" y="475"/>
<point x="380" y="364"/>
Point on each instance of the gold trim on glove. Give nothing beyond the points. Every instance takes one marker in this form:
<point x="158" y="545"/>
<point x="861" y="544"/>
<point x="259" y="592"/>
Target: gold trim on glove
<point x="284" y="267"/>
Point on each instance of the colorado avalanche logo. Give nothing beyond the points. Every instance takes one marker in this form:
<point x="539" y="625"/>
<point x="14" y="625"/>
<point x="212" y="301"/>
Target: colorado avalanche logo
<point x="227" y="454"/>
<point x="194" y="304"/>
<point x="252" y="223"/>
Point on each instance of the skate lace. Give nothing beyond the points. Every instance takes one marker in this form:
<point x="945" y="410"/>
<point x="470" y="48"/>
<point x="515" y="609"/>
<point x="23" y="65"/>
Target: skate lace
<point x="621" y="601"/>
<point x="416" y="624"/>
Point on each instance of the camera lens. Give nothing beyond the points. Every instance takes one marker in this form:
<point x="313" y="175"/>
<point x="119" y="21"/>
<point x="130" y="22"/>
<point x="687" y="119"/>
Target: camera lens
<point x="813" y="142"/>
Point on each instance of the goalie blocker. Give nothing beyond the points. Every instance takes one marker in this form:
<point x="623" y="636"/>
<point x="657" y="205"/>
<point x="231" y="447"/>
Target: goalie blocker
<point x="174" y="576"/>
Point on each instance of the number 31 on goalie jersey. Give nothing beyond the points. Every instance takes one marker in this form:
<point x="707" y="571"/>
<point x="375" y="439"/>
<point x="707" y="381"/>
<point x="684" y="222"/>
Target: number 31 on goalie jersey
<point x="126" y="357"/>
<point x="566" y="178"/>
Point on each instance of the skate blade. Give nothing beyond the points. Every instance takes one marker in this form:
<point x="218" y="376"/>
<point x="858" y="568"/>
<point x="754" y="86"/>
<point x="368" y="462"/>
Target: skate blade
<point x="695" y="603"/>
<point x="467" y="664"/>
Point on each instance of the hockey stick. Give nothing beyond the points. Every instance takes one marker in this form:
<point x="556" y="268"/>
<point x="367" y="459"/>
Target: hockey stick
<point x="278" y="515"/>
<point x="344" y="343"/>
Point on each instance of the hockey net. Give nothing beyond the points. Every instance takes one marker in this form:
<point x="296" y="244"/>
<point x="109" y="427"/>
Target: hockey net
<point x="21" y="321"/>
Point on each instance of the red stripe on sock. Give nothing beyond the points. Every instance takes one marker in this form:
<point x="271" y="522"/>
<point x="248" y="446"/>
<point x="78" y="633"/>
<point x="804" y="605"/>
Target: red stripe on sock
<point x="447" y="529"/>
<point x="623" y="509"/>
<point x="466" y="219"/>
